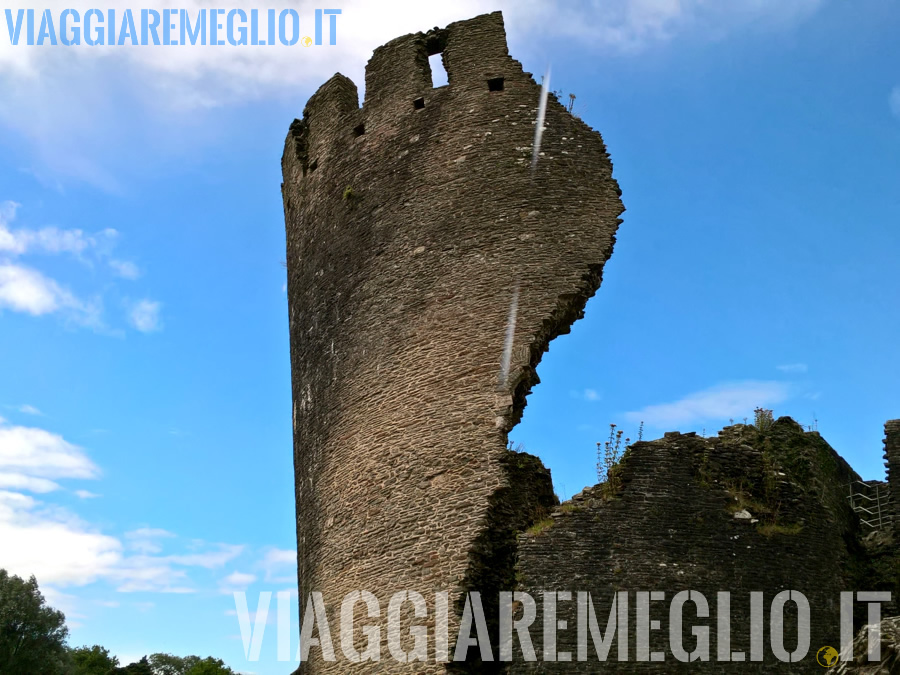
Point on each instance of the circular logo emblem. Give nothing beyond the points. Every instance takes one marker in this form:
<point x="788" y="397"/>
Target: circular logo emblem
<point x="306" y="41"/>
<point x="827" y="656"/>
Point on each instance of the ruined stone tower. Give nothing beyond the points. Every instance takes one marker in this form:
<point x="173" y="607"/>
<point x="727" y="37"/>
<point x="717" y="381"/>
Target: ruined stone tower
<point x="410" y="223"/>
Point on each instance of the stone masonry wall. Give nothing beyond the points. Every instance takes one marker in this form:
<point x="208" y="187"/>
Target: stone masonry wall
<point x="740" y="512"/>
<point x="892" y="466"/>
<point x="409" y="223"/>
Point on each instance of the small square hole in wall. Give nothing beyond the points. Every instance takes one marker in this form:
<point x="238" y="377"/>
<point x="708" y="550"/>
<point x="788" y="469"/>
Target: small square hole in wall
<point x="313" y="165"/>
<point x="359" y="129"/>
<point x="495" y="84"/>
<point x="419" y="103"/>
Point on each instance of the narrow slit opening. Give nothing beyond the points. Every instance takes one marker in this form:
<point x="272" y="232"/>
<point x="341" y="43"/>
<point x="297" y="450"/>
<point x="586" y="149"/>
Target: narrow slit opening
<point x="439" y="75"/>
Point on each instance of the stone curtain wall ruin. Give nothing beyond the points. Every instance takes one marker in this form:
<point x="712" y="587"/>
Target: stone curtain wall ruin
<point x="892" y="466"/>
<point x="409" y="222"/>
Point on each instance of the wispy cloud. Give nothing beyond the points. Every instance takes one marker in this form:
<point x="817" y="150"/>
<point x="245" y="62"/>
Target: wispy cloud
<point x="631" y="26"/>
<point x="279" y="565"/>
<point x="23" y="288"/>
<point x="794" y="368"/>
<point x="52" y="544"/>
<point x="50" y="240"/>
<point x="20" y="481"/>
<point x="145" y="316"/>
<point x="56" y="87"/>
<point x="585" y="394"/>
<point x="223" y="554"/>
<point x="732" y="400"/>
<point x="164" y="573"/>
<point x="894" y="101"/>
<point x="146" y="539"/>
<point x="42" y="454"/>
<point x="125" y="269"/>
<point x="236" y="581"/>
<point x="61" y="549"/>
<point x="149" y="574"/>
<point x="29" y="410"/>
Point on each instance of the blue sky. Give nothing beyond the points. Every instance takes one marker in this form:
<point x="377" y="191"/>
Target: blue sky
<point x="145" y="448"/>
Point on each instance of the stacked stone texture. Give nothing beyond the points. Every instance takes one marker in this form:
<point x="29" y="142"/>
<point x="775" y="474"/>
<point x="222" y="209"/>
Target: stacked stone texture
<point x="673" y="527"/>
<point x="892" y="465"/>
<point x="409" y="223"/>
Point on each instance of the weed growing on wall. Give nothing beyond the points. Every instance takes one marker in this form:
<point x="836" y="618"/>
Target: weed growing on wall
<point x="608" y="457"/>
<point x="763" y="419"/>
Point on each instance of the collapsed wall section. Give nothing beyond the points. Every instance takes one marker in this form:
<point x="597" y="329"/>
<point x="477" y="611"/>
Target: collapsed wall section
<point x="743" y="512"/>
<point x="410" y="223"/>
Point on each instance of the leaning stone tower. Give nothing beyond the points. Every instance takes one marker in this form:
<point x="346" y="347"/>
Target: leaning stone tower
<point x="412" y="223"/>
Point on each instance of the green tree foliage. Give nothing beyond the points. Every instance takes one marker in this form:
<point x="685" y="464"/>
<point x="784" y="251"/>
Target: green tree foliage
<point x="209" y="666"/>
<point x="33" y="642"/>
<point x="168" y="664"/>
<point x="32" y="634"/>
<point x="141" y="667"/>
<point x="94" y="660"/>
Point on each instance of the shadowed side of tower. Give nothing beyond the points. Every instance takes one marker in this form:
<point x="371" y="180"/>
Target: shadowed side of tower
<point x="410" y="221"/>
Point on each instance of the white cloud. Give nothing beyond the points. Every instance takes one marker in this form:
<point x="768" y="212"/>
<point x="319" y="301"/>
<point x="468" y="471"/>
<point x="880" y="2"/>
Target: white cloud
<point x="279" y="565"/>
<point x="160" y="573"/>
<point x="23" y="289"/>
<point x="52" y="240"/>
<point x="64" y="602"/>
<point x="240" y="579"/>
<point x="894" y="101"/>
<point x="144" y="316"/>
<point x="29" y="410"/>
<point x="793" y="368"/>
<point x="721" y="402"/>
<point x="53" y="545"/>
<point x="236" y="581"/>
<point x="125" y="269"/>
<point x="42" y="454"/>
<point x="39" y="539"/>
<point x="28" y="290"/>
<point x="146" y="539"/>
<point x="147" y="573"/>
<point x="7" y="215"/>
<point x="19" y="481"/>
<point x="61" y="549"/>
<point x="634" y="25"/>
<point x="86" y="494"/>
<point x="210" y="559"/>
<point x="75" y="90"/>
<point x="591" y="395"/>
